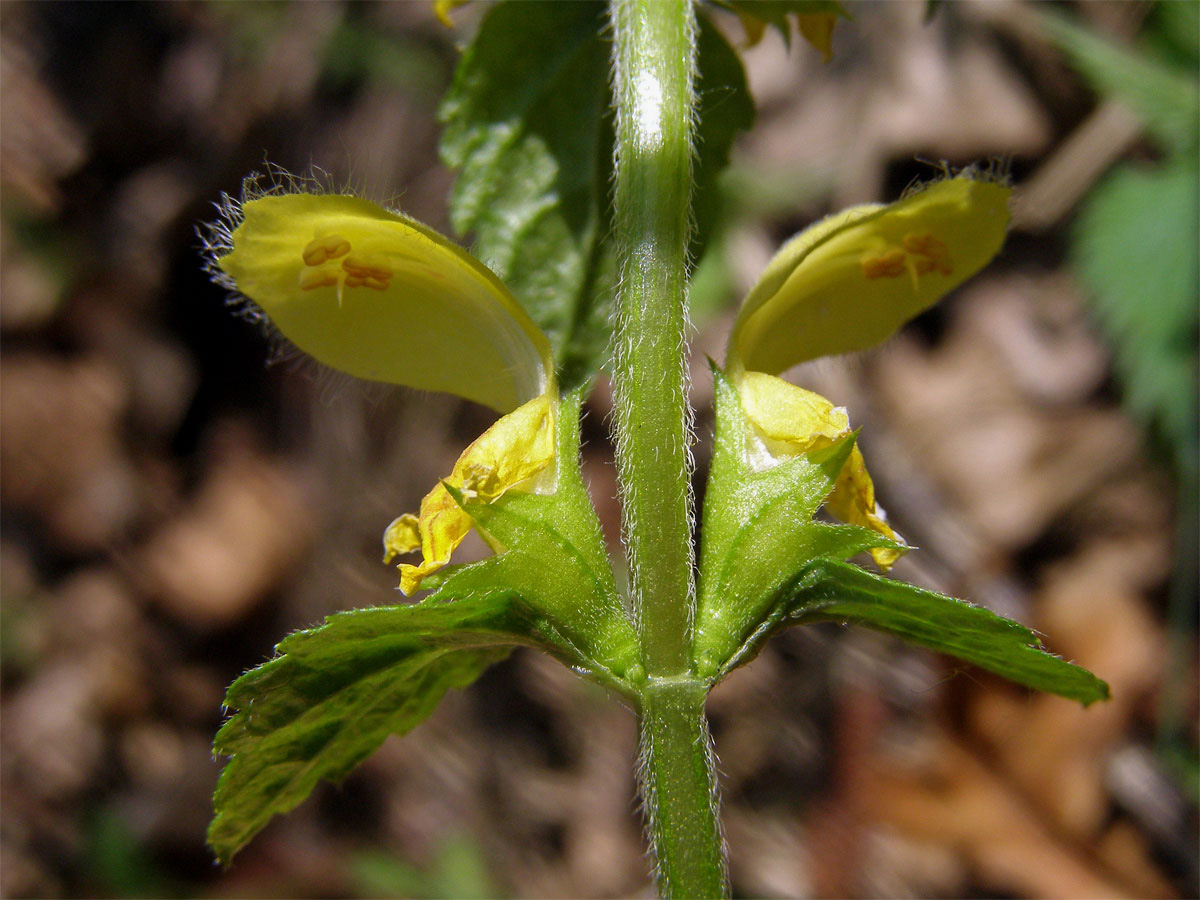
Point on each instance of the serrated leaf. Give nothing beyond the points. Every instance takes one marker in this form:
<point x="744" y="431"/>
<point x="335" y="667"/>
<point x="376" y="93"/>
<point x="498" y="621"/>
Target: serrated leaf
<point x="553" y="558"/>
<point x="1167" y="99"/>
<point x="724" y="110"/>
<point x="758" y="532"/>
<point x="839" y="592"/>
<point x="1135" y="246"/>
<point x="332" y="694"/>
<point x="528" y="122"/>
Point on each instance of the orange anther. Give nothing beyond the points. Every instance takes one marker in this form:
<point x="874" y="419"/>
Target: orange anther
<point x="367" y="267"/>
<point x="932" y="253"/>
<point x="922" y="242"/>
<point x="886" y="265"/>
<point x="322" y="249"/>
<point x="317" y="278"/>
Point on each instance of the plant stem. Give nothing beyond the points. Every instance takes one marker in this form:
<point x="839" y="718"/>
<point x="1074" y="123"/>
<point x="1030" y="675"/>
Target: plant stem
<point x="654" y="72"/>
<point x="679" y="788"/>
<point x="654" y="67"/>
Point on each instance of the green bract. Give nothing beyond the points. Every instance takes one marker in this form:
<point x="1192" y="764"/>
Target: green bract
<point x="766" y="563"/>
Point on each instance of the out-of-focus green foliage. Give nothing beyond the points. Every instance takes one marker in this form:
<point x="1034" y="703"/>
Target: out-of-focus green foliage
<point x="1162" y="91"/>
<point x="357" y="49"/>
<point x="1135" y="243"/>
<point x="1135" y="246"/>
<point x="458" y="871"/>
<point x="117" y="862"/>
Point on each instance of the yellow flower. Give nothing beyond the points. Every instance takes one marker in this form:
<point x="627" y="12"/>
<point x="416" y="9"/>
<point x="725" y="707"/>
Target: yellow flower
<point x="380" y="296"/>
<point x="516" y="452"/>
<point x="845" y="284"/>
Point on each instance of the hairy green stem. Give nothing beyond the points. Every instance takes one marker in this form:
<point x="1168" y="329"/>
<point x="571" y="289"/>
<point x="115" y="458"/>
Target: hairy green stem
<point x="654" y="67"/>
<point x="654" y="73"/>
<point x="678" y="786"/>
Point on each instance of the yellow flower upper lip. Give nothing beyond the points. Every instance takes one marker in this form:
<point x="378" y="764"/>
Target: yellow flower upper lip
<point x="379" y="296"/>
<point x="850" y="281"/>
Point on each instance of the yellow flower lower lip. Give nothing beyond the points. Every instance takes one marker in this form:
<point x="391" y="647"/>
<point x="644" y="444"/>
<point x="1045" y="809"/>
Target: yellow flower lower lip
<point x="517" y="452"/>
<point x="787" y="421"/>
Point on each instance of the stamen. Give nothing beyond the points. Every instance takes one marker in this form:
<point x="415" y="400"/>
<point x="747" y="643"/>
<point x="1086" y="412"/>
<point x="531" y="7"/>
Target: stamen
<point x="321" y="250"/>
<point x="367" y="271"/>
<point x="932" y="253"/>
<point x="922" y="253"/>
<point x="327" y="276"/>
<point x="885" y="265"/>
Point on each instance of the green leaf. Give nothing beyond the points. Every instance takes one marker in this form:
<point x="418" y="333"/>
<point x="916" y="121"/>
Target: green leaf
<point x="527" y="121"/>
<point x="838" y="592"/>
<point x="1166" y="98"/>
<point x="758" y="532"/>
<point x="1172" y="34"/>
<point x="332" y="694"/>
<point x="1135" y="246"/>
<point x="725" y="109"/>
<point x="554" y="560"/>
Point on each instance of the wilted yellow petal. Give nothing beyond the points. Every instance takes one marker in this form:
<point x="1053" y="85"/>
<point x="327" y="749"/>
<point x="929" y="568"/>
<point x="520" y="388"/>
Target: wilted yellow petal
<point x="753" y="26"/>
<point x="789" y="421"/>
<point x="379" y="296"/>
<point x="513" y="453"/>
<point x="850" y="281"/>
<point x="402" y="536"/>
<point x="817" y="29"/>
<point x="853" y="501"/>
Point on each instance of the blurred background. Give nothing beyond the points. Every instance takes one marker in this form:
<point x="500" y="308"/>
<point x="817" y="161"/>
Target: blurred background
<point x="179" y="492"/>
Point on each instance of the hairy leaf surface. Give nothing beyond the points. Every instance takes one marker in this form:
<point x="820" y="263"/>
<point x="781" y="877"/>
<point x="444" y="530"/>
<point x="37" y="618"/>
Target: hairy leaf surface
<point x="839" y="592"/>
<point x="332" y="694"/>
